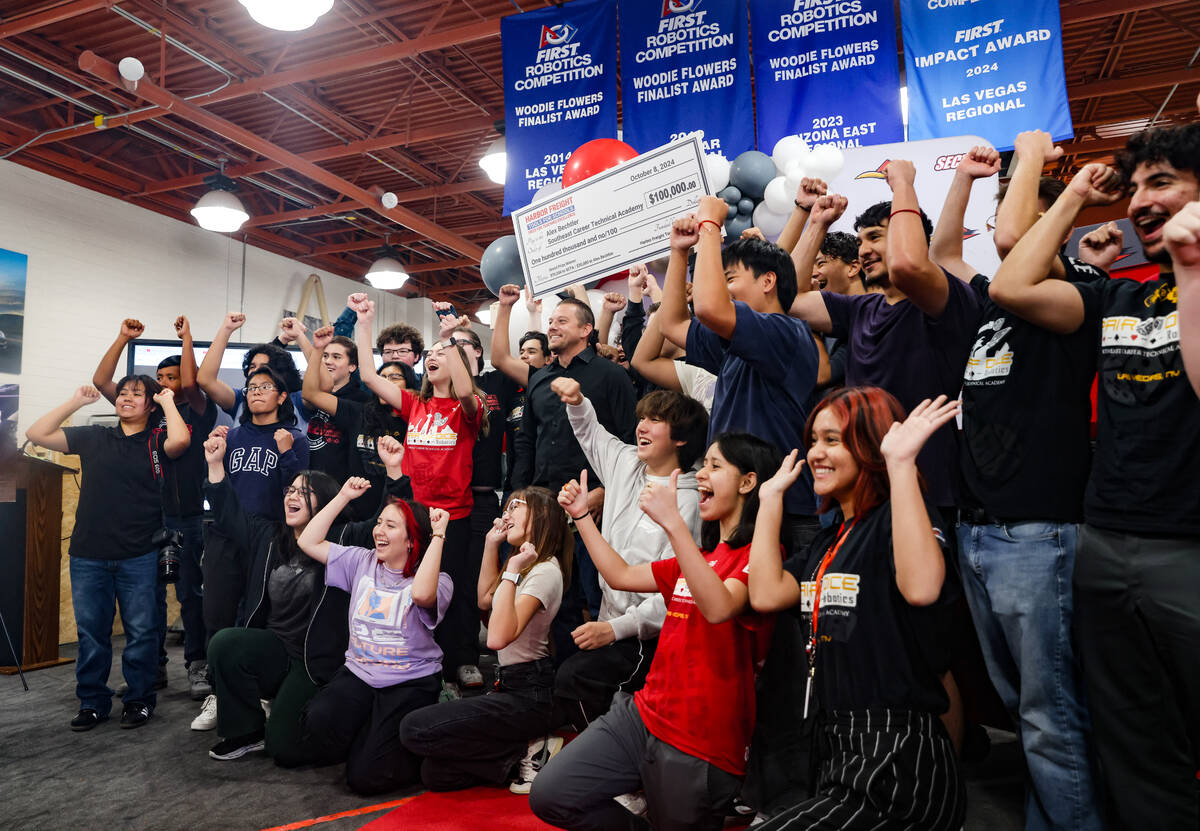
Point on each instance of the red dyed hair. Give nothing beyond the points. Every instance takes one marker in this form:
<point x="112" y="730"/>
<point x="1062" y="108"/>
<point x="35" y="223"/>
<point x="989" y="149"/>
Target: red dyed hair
<point x="865" y="414"/>
<point x="417" y="536"/>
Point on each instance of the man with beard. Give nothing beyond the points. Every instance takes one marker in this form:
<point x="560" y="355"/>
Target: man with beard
<point x="1137" y="567"/>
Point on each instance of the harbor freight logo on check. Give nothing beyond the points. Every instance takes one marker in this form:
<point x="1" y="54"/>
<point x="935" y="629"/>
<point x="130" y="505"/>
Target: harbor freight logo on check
<point x="549" y="214"/>
<point x="559" y="34"/>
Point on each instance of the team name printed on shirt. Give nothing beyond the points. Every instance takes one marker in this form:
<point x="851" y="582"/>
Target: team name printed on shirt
<point x="1123" y="334"/>
<point x="837" y="589"/>
<point x="991" y="357"/>
<point x="433" y="432"/>
<point x="375" y="617"/>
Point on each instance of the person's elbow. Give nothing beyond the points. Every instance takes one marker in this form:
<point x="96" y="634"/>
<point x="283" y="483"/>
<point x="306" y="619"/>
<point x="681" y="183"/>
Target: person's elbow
<point x="719" y="614"/>
<point x="1005" y="241"/>
<point x="425" y="599"/>
<point x="497" y="641"/>
<point x="920" y="592"/>
<point x="1003" y="291"/>
<point x="719" y="318"/>
<point x="764" y="600"/>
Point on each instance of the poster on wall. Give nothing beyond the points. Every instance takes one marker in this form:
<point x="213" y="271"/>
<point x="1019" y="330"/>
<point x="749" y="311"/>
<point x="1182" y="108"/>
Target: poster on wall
<point x="988" y="69"/>
<point x="827" y="71"/>
<point x="685" y="67"/>
<point x="560" y="90"/>
<point x="13" y="267"/>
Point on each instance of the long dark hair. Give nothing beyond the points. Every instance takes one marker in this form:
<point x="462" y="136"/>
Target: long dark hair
<point x="287" y="411"/>
<point x="749" y="454"/>
<point x="549" y="532"/>
<point x="316" y="483"/>
<point x="380" y="419"/>
<point x="279" y="360"/>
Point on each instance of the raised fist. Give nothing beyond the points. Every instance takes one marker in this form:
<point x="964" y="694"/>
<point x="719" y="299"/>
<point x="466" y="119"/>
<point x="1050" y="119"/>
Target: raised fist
<point x="509" y="294"/>
<point x="568" y="390"/>
<point x="233" y="321"/>
<point x="685" y="233"/>
<point x="614" y="301"/>
<point x="182" y="328"/>
<point x="809" y="191"/>
<point x="321" y="338"/>
<point x="284" y="440"/>
<point x="131" y="329"/>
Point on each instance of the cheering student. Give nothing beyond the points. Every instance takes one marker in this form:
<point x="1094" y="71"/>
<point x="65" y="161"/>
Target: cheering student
<point x="684" y="737"/>
<point x="259" y="355"/>
<point x="864" y="589"/>
<point x="113" y="557"/>
<point x="332" y="361"/>
<point x="397" y="597"/>
<point x="295" y="635"/>
<point x="444" y="420"/>
<point x="480" y="740"/>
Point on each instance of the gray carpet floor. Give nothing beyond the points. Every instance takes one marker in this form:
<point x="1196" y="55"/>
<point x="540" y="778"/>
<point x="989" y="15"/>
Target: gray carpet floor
<point x="160" y="777"/>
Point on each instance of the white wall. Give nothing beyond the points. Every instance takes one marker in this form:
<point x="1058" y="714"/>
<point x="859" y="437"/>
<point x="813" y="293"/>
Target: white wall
<point x="95" y="260"/>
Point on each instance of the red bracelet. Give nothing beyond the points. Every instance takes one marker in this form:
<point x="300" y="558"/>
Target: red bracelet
<point x="904" y="211"/>
<point x="711" y="222"/>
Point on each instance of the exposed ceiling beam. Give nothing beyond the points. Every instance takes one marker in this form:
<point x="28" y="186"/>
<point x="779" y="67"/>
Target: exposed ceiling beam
<point x="1116" y="86"/>
<point x="55" y="14"/>
<point x="1083" y="12"/>
<point x="402" y="196"/>
<point x="92" y="63"/>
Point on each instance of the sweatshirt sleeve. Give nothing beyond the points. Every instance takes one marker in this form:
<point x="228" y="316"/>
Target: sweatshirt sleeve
<point x="602" y="449"/>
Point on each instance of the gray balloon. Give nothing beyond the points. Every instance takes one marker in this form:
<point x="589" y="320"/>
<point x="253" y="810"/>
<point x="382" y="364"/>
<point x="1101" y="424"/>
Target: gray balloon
<point x="731" y="195"/>
<point x="736" y="224"/>
<point x="501" y="264"/>
<point x="746" y="206"/>
<point x="750" y="173"/>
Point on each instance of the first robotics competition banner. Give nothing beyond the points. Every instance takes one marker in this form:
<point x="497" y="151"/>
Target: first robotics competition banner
<point x="826" y="70"/>
<point x="560" y="90"/>
<point x="989" y="68"/>
<point x="863" y="181"/>
<point x="685" y="66"/>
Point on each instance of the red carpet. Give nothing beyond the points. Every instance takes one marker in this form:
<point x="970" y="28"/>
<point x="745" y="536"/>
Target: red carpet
<point x="462" y="810"/>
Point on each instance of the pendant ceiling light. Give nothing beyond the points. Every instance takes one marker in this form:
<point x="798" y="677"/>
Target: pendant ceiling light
<point x="495" y="161"/>
<point x="219" y="209"/>
<point x="387" y="272"/>
<point x="287" y="15"/>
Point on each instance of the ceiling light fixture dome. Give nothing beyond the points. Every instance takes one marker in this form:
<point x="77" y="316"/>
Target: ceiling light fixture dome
<point x="387" y="273"/>
<point x="495" y="161"/>
<point x="287" y="15"/>
<point x="220" y="210"/>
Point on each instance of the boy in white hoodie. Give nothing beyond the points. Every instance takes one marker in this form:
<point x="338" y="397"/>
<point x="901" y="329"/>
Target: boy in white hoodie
<point x="616" y="650"/>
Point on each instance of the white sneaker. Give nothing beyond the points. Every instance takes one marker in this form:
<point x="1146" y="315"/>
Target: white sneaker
<point x="470" y="676"/>
<point x="207" y="720"/>
<point x="634" y="803"/>
<point x="540" y="752"/>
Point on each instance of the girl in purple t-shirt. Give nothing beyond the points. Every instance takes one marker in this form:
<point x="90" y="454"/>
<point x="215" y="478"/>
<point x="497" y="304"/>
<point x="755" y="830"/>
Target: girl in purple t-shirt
<point x="393" y="665"/>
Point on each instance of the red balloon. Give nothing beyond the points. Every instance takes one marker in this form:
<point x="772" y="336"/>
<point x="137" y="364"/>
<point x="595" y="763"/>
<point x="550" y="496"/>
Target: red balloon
<point x="593" y="157"/>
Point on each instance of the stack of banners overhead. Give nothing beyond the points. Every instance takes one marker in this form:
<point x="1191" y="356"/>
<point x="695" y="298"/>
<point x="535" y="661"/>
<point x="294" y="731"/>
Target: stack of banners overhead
<point x="560" y="90"/>
<point x="686" y="67"/>
<point x="990" y="69"/>
<point x="826" y="70"/>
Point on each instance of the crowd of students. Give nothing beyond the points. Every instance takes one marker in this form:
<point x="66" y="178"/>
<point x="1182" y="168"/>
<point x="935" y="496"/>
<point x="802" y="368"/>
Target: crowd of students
<point x="744" y="566"/>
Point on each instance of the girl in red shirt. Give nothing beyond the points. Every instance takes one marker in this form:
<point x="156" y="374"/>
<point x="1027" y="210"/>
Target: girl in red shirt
<point x="684" y="737"/>
<point x="444" y="420"/>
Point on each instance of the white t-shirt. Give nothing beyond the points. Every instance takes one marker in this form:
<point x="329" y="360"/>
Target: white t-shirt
<point x="696" y="383"/>
<point x="545" y="582"/>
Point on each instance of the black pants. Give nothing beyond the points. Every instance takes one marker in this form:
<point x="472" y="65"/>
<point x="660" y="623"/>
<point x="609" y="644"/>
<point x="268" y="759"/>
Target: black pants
<point x="349" y="720"/>
<point x="586" y="682"/>
<point x="1137" y="621"/>
<point x="458" y="633"/>
<point x="617" y="755"/>
<point x="477" y="741"/>
<point x="224" y="580"/>
<point x="570" y="611"/>
<point x="882" y="769"/>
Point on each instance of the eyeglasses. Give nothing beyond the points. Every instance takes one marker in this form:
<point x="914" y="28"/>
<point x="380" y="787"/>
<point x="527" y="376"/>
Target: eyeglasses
<point x="292" y="490"/>
<point x="465" y="342"/>
<point x="512" y="506"/>
<point x="252" y="388"/>
<point x="397" y="351"/>
<point x="394" y="376"/>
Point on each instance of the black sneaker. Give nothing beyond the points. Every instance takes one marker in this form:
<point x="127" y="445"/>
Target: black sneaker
<point x="237" y="747"/>
<point x="135" y="714"/>
<point x="86" y="720"/>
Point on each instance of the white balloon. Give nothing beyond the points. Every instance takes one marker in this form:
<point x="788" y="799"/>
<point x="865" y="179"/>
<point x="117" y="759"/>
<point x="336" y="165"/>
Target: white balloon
<point x="769" y="222"/>
<point x="776" y="196"/>
<point x="717" y="167"/>
<point x="795" y="172"/>
<point x="547" y="190"/>
<point x="826" y="162"/>
<point x="788" y="149"/>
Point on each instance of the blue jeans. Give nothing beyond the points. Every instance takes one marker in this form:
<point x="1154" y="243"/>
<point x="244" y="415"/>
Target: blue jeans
<point x="1017" y="579"/>
<point x="95" y="585"/>
<point x="189" y="591"/>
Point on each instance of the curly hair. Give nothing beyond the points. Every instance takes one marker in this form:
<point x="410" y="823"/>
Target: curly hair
<point x="840" y="246"/>
<point x="1178" y="146"/>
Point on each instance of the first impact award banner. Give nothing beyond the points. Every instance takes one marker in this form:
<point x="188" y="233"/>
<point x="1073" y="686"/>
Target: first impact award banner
<point x="988" y="69"/>
<point x="685" y="66"/>
<point x="560" y="90"/>
<point x="826" y="70"/>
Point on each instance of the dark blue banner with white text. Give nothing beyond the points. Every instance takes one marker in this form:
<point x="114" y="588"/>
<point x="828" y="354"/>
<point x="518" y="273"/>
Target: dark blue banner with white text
<point x="685" y="66"/>
<point x="985" y="69"/>
<point x="826" y="70"/>
<point x="560" y="90"/>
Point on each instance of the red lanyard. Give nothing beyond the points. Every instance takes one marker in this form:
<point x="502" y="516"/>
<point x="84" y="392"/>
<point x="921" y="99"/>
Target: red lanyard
<point x="811" y="647"/>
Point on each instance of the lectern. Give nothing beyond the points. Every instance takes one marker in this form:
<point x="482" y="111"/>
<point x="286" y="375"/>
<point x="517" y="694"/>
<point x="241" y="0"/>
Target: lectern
<point x="30" y="554"/>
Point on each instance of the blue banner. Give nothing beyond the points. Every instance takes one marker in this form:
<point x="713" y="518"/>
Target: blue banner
<point x="560" y="90"/>
<point x="685" y="66"/>
<point x="826" y="70"/>
<point x="985" y="69"/>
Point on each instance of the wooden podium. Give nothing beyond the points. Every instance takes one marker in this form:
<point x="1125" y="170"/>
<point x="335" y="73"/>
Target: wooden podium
<point x="30" y="553"/>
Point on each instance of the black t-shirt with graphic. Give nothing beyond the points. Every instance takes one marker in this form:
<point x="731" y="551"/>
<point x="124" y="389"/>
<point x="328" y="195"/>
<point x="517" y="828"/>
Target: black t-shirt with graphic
<point x="1148" y="417"/>
<point x="290" y="589"/>
<point x="499" y="391"/>
<point x="183" y="485"/>
<point x="364" y="458"/>
<point x="1026" y="411"/>
<point x="874" y="649"/>
<point x="328" y="445"/>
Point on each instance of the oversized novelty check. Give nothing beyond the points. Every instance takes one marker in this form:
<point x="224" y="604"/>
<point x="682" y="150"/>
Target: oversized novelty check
<point x="612" y="220"/>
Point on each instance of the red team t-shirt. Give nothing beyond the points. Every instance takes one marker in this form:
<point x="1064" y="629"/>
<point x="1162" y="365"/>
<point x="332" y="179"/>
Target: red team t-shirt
<point x="437" y="451"/>
<point x="699" y="694"/>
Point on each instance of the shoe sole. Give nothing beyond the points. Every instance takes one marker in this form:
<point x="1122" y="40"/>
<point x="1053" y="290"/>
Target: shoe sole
<point x="239" y="753"/>
<point x="133" y="725"/>
<point x="521" y="787"/>
<point x="86" y="727"/>
<point x="205" y="728"/>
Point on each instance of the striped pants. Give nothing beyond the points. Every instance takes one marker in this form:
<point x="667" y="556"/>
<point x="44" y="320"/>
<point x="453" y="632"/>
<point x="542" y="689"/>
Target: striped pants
<point x="881" y="769"/>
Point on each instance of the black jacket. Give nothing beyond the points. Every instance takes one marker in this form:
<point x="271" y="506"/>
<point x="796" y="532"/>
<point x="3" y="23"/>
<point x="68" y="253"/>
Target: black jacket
<point x="257" y="539"/>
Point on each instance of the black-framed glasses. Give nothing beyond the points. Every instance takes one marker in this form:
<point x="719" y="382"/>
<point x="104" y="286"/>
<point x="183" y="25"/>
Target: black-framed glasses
<point x="268" y="388"/>
<point x="397" y="351"/>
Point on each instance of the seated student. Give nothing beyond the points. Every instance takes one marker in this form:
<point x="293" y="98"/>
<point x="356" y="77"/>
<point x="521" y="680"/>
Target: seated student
<point x="397" y="597"/>
<point x="616" y="650"/>
<point x="480" y="740"/>
<point x="864" y="590"/>
<point x="684" y="737"/>
<point x="262" y="354"/>
<point x="113" y="556"/>
<point x="766" y="365"/>
<point x="295" y="634"/>
<point x="329" y="445"/>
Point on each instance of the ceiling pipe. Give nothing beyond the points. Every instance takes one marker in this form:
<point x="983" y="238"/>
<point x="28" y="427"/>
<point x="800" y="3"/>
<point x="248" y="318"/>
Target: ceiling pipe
<point x="93" y="64"/>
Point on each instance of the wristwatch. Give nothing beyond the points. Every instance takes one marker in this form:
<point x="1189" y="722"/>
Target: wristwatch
<point x="514" y="576"/>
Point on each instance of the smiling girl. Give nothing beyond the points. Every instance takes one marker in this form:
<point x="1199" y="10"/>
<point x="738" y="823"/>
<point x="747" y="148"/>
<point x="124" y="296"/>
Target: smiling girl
<point x="867" y="591"/>
<point x="684" y="736"/>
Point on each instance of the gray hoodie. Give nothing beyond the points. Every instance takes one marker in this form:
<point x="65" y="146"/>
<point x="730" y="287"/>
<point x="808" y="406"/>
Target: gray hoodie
<point x="632" y="534"/>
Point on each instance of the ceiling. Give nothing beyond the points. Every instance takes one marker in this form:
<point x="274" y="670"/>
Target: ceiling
<point x="401" y="96"/>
